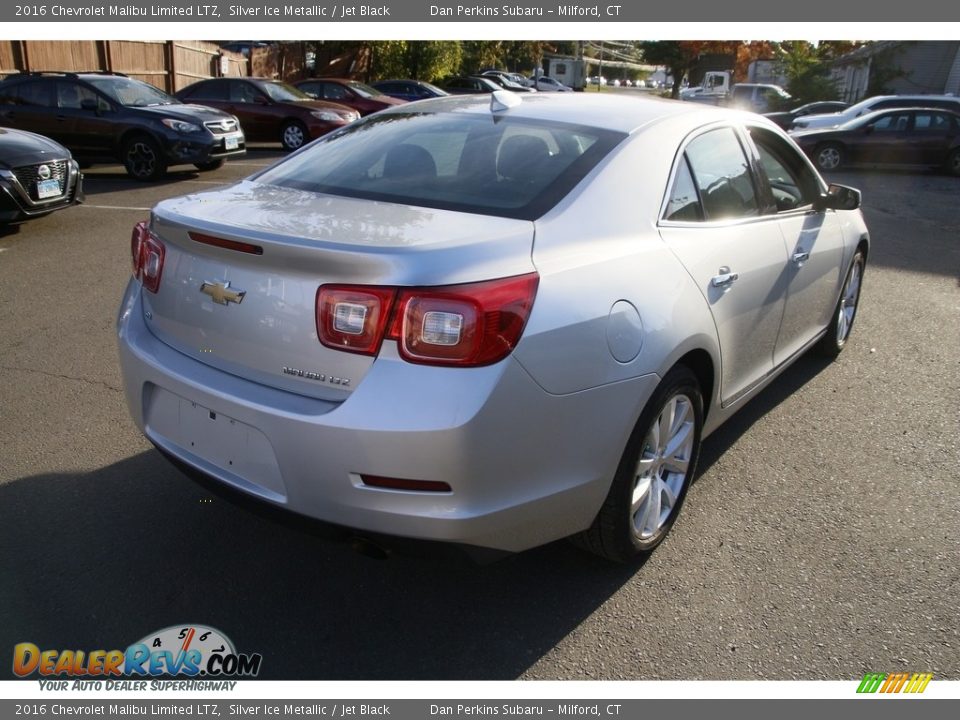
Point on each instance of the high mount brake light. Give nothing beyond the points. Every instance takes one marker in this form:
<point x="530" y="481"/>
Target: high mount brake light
<point x="460" y="325"/>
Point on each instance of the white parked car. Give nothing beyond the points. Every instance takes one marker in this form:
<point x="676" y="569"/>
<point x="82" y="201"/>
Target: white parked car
<point x="476" y="322"/>
<point x="879" y="102"/>
<point x="548" y="84"/>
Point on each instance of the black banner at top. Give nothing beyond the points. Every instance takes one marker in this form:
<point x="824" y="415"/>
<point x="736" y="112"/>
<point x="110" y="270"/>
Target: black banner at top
<point x="338" y="11"/>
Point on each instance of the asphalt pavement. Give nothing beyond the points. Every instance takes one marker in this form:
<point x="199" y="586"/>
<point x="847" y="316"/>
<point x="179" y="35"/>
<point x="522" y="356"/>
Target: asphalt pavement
<point x="820" y="540"/>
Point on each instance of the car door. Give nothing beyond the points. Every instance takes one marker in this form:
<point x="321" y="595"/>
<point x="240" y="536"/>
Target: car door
<point x="89" y="131"/>
<point x="813" y="237"/>
<point x="735" y="255"/>
<point x="885" y="141"/>
<point x="255" y="110"/>
<point x="931" y="136"/>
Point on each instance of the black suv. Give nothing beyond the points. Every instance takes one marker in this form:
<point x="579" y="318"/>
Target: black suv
<point x="110" y="117"/>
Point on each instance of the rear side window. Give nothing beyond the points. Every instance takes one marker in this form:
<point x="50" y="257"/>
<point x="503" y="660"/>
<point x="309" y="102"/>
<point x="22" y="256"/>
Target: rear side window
<point x="209" y="91"/>
<point x="36" y="94"/>
<point x="932" y="122"/>
<point x="722" y="175"/>
<point x="457" y="161"/>
<point x="684" y="205"/>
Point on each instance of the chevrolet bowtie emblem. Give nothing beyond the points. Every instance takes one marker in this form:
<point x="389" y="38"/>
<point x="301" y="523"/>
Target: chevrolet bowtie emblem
<point x="221" y="293"/>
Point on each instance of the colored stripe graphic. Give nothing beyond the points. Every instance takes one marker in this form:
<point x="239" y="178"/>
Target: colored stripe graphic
<point x="918" y="683"/>
<point x="871" y="682"/>
<point x="888" y="683"/>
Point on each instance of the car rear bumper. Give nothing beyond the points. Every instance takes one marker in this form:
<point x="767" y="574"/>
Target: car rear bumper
<point x="524" y="467"/>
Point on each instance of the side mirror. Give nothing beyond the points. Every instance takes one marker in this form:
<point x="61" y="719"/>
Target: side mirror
<point x="260" y="100"/>
<point x="839" y="197"/>
<point x="89" y="104"/>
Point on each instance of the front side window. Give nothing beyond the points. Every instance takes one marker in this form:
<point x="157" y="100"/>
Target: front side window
<point x="281" y="92"/>
<point x="71" y="95"/>
<point x="243" y="92"/>
<point x="894" y="122"/>
<point x="791" y="181"/>
<point x="722" y="175"/>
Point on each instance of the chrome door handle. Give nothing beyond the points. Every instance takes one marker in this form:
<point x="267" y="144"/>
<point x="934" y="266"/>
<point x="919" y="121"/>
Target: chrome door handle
<point x="800" y="256"/>
<point x="724" y="279"/>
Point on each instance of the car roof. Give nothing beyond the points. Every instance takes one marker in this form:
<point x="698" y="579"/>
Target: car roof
<point x="911" y="98"/>
<point x="906" y="108"/>
<point x="609" y="112"/>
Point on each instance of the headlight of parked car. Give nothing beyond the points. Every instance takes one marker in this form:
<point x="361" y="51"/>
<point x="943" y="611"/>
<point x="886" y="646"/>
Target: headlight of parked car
<point x="327" y="115"/>
<point x="180" y="126"/>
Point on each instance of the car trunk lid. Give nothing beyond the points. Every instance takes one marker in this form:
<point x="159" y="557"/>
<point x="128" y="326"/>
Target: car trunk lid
<point x="242" y="267"/>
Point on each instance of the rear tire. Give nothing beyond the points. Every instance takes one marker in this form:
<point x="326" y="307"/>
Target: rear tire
<point x="143" y="159"/>
<point x="654" y="473"/>
<point x="845" y="312"/>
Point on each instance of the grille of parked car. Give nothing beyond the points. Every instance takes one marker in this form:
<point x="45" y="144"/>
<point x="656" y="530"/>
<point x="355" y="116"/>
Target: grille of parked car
<point x="221" y="127"/>
<point x="28" y="175"/>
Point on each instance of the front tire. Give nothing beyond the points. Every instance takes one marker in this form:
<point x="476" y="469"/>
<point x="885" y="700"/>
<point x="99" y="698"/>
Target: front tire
<point x="846" y="310"/>
<point x="654" y="473"/>
<point x="953" y="163"/>
<point x="293" y="135"/>
<point x="143" y="159"/>
<point x="829" y="157"/>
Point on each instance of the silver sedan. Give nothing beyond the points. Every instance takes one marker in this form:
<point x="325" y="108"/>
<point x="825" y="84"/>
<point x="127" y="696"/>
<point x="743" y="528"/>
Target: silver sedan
<point x="493" y="321"/>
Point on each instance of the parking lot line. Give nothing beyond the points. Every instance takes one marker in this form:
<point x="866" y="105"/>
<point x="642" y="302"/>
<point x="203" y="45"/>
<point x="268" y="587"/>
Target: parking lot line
<point x="111" y="207"/>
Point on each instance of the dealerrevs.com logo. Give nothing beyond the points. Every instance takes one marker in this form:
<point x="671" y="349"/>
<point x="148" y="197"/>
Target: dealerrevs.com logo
<point x="182" y="650"/>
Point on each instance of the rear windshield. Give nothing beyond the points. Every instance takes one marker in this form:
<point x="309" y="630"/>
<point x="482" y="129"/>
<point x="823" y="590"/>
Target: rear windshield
<point x="484" y="164"/>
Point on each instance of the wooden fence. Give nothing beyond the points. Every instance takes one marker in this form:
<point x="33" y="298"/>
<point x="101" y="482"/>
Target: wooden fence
<point x="169" y="65"/>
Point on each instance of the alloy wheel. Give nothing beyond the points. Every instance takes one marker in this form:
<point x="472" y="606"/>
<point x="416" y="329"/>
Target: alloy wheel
<point x="141" y="160"/>
<point x="828" y="158"/>
<point x="663" y="466"/>
<point x="848" y="301"/>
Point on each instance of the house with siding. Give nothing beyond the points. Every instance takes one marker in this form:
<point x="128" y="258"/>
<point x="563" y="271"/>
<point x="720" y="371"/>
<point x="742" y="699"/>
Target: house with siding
<point x="902" y="67"/>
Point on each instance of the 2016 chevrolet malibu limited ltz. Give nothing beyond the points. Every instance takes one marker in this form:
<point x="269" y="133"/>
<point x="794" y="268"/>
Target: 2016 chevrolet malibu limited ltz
<point x="488" y="320"/>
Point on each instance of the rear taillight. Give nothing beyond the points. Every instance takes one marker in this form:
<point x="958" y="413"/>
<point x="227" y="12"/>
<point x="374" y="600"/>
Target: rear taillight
<point x="353" y="318"/>
<point x="460" y="325"/>
<point x="147" y="254"/>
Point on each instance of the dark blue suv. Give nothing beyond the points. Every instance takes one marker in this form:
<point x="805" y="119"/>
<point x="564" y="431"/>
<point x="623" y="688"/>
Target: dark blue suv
<point x="109" y="117"/>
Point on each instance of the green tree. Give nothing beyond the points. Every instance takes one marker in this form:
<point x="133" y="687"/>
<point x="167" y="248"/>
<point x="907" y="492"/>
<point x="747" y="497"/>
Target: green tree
<point x="418" y="59"/>
<point x="884" y="68"/>
<point x="808" y="68"/>
<point x="807" y="72"/>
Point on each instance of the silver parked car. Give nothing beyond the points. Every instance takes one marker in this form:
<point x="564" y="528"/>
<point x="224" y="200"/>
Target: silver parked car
<point x="488" y="320"/>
